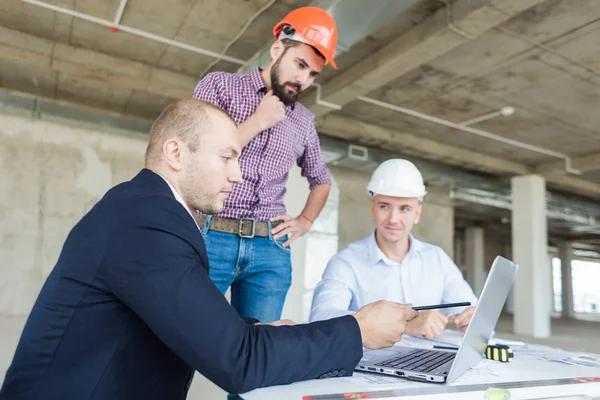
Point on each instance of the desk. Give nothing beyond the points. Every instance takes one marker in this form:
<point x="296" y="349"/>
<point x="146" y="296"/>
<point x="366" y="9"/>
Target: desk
<point x="536" y="372"/>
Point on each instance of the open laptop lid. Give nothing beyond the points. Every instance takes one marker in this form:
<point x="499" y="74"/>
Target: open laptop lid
<point x="494" y="294"/>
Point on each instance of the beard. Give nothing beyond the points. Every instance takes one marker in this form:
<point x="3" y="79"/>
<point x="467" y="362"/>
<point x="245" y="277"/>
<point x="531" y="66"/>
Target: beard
<point x="279" y="89"/>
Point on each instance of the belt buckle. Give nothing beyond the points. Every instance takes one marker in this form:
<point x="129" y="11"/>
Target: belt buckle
<point x="241" y="226"/>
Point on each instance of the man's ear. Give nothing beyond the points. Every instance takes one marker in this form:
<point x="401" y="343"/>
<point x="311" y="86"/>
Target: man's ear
<point x="172" y="153"/>
<point x="277" y="49"/>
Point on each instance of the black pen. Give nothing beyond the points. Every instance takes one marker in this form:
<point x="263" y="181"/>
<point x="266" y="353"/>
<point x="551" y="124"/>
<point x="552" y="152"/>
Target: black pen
<point x="445" y="347"/>
<point x="448" y="305"/>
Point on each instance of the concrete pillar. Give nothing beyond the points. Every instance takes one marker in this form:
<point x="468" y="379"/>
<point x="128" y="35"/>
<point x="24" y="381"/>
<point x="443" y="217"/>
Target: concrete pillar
<point x="437" y="219"/>
<point x="566" y="257"/>
<point x="322" y="244"/>
<point x="475" y="258"/>
<point x="295" y="200"/>
<point x="551" y="283"/>
<point x="530" y="242"/>
<point x="510" y="303"/>
<point x="355" y="221"/>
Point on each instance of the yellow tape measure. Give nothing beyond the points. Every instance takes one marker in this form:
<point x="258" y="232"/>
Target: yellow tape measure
<point x="499" y="352"/>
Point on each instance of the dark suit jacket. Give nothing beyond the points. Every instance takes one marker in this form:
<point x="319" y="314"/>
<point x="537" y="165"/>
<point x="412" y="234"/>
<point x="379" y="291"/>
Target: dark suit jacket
<point x="129" y="310"/>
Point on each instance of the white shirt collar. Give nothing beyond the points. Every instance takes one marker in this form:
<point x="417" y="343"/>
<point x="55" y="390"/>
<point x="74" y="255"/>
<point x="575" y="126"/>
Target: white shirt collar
<point x="376" y="254"/>
<point x="177" y="196"/>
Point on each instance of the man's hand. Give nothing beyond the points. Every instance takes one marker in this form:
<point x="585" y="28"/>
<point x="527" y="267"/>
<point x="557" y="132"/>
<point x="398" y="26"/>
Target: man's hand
<point x="428" y="324"/>
<point x="293" y="227"/>
<point x="280" y="322"/>
<point x="463" y="319"/>
<point x="382" y="323"/>
<point x="270" y="111"/>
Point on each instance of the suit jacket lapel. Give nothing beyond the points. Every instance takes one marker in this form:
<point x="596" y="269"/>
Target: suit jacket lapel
<point x="157" y="183"/>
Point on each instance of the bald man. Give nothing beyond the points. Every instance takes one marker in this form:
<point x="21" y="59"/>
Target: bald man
<point x="129" y="310"/>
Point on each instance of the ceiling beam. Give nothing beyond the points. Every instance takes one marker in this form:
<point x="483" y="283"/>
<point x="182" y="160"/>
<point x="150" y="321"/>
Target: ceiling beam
<point x="590" y="162"/>
<point x="71" y="60"/>
<point x="575" y="185"/>
<point x="366" y="134"/>
<point x="419" y="45"/>
<point x="76" y="61"/>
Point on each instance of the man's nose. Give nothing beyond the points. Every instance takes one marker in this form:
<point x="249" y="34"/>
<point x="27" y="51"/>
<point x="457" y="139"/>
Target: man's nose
<point x="395" y="216"/>
<point x="302" y="79"/>
<point x="236" y="175"/>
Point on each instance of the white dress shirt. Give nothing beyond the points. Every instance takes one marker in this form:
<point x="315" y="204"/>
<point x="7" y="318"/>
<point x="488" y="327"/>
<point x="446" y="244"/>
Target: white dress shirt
<point x="361" y="274"/>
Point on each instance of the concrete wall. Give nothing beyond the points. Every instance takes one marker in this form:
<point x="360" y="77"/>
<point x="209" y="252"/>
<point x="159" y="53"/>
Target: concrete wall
<point x="354" y="216"/>
<point x="53" y="174"/>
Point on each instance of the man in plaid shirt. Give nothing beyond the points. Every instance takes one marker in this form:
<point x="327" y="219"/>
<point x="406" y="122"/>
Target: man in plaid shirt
<point x="246" y="243"/>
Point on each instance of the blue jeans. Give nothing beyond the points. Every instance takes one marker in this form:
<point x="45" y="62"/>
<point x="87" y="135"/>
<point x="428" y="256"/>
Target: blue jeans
<point x="258" y="269"/>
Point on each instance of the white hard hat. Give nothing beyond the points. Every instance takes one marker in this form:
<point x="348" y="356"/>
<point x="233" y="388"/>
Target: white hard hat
<point x="397" y="178"/>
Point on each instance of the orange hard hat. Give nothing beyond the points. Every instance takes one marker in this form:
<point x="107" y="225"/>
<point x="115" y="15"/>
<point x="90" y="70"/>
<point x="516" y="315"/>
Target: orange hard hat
<point x="313" y="26"/>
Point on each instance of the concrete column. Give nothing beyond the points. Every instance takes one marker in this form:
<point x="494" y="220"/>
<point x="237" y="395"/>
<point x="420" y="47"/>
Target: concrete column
<point x="295" y="200"/>
<point x="510" y="303"/>
<point x="355" y="221"/>
<point x="551" y="284"/>
<point x="437" y="219"/>
<point x="530" y="242"/>
<point x="475" y="258"/>
<point x="566" y="257"/>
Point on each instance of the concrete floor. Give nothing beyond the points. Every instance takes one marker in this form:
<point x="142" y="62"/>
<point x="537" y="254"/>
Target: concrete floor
<point x="576" y="335"/>
<point x="573" y="335"/>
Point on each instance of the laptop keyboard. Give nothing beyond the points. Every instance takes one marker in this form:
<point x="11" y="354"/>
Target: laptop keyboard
<point x="418" y="360"/>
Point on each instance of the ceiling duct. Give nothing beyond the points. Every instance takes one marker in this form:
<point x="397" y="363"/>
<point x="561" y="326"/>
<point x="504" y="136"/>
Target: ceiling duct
<point x="355" y="20"/>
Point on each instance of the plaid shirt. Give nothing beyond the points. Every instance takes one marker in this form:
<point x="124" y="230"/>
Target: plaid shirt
<point x="265" y="161"/>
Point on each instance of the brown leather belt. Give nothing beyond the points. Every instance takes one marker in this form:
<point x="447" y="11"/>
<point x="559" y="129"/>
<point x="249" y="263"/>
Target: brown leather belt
<point x="244" y="227"/>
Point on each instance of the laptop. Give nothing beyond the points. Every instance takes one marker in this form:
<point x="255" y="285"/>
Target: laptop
<point x="441" y="366"/>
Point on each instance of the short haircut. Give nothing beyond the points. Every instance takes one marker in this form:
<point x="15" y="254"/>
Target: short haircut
<point x="289" y="43"/>
<point x="185" y="119"/>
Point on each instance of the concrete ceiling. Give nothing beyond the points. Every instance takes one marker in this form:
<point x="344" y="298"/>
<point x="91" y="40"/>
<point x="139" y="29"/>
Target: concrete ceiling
<point x="541" y="57"/>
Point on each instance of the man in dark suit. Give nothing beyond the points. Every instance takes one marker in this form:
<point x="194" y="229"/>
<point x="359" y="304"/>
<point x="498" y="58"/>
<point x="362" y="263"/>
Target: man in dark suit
<point x="129" y="310"/>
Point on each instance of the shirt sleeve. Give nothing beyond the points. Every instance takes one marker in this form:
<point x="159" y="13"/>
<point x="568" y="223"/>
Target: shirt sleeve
<point x="312" y="162"/>
<point x="456" y="288"/>
<point x="212" y="88"/>
<point x="333" y="294"/>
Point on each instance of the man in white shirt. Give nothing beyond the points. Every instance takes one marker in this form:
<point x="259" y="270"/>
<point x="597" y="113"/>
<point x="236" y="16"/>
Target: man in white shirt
<point x="391" y="264"/>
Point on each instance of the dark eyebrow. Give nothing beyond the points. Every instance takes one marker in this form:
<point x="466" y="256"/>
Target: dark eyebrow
<point x="232" y="150"/>
<point x="303" y="61"/>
